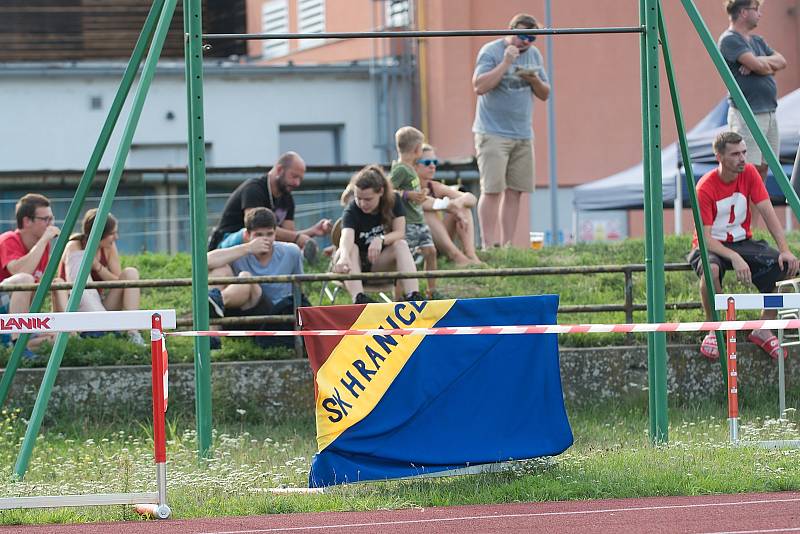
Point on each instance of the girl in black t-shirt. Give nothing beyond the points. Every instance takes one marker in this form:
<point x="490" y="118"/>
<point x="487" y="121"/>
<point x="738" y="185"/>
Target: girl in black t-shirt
<point x="373" y="234"/>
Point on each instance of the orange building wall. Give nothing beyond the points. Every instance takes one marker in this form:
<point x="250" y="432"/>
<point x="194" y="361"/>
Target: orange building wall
<point x="596" y="80"/>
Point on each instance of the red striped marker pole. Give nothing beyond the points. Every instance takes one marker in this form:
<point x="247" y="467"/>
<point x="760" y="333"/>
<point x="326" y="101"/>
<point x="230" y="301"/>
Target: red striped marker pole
<point x="517" y="329"/>
<point x="733" y="375"/>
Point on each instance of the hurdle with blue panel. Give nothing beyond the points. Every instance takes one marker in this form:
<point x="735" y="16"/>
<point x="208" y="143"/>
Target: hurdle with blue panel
<point x="732" y="302"/>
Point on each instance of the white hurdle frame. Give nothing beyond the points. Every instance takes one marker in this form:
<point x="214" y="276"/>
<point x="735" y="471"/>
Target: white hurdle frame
<point x="151" y="503"/>
<point x="755" y="301"/>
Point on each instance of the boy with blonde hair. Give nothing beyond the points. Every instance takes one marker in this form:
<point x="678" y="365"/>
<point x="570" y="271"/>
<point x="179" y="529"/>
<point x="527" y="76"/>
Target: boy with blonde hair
<point x="404" y="178"/>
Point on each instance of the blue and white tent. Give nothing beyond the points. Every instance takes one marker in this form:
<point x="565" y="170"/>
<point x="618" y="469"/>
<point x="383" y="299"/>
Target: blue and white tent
<point x="626" y="189"/>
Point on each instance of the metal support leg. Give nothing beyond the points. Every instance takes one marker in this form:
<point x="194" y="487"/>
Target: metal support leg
<point x="781" y="378"/>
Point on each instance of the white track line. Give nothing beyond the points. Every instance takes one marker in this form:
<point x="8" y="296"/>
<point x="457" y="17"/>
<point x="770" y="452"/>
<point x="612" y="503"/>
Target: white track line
<point x="509" y="516"/>
<point x="790" y="529"/>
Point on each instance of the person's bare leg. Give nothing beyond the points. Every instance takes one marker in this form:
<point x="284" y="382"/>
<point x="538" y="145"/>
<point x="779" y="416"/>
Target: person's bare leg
<point x="509" y="213"/>
<point x="354" y="287"/>
<point x="429" y="255"/>
<point x="127" y="298"/>
<point x="489" y="219"/>
<point x="59" y="297"/>
<point x="443" y="241"/>
<point x="241" y="296"/>
<point x="220" y="272"/>
<point x="707" y="308"/>
<point x="398" y="256"/>
<point x="466" y="233"/>
<point x="131" y="296"/>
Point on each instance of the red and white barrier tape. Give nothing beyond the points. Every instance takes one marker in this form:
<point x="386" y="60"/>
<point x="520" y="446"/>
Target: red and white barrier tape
<point x="502" y="330"/>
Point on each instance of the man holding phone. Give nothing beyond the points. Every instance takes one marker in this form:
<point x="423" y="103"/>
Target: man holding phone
<point x="508" y="74"/>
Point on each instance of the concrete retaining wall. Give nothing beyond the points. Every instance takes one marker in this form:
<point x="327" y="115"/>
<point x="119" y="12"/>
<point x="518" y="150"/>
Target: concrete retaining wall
<point x="284" y="388"/>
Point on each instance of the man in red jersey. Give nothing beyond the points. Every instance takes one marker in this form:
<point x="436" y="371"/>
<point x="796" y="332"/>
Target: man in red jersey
<point x="724" y="196"/>
<point x="24" y="253"/>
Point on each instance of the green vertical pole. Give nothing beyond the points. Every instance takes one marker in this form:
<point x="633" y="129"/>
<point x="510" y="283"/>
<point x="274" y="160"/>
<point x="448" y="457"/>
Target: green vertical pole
<point x="193" y="26"/>
<point x="742" y="105"/>
<point x="95" y="235"/>
<point x="648" y="242"/>
<point x="655" y="222"/>
<point x="82" y="190"/>
<point x="690" y="186"/>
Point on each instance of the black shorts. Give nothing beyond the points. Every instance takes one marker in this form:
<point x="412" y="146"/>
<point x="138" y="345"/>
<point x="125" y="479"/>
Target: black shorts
<point x="762" y="259"/>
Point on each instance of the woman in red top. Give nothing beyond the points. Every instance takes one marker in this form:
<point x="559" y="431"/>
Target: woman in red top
<point x="105" y="267"/>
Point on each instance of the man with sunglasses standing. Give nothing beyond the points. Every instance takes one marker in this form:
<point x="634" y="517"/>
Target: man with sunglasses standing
<point x="753" y="64"/>
<point x="508" y="74"/>
<point x="24" y="253"/>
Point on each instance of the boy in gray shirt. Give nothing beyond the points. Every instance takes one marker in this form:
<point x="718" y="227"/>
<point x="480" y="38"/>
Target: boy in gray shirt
<point x="259" y="255"/>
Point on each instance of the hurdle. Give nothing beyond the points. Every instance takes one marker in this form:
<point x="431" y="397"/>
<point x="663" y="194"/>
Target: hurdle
<point x="754" y="301"/>
<point x="147" y="503"/>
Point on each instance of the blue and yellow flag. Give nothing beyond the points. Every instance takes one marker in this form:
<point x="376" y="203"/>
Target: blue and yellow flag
<point x="397" y="406"/>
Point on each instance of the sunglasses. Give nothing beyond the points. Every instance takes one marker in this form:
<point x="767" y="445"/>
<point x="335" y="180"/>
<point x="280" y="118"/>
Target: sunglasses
<point x="428" y="162"/>
<point x="48" y="220"/>
<point x="527" y="38"/>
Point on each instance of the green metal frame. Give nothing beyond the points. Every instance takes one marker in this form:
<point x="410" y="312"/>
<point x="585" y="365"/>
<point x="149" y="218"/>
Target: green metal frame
<point x="83" y="189"/>
<point x="690" y="183"/>
<point x="164" y="18"/>
<point x="654" y="223"/>
<point x="193" y="26"/>
<point x="156" y="27"/>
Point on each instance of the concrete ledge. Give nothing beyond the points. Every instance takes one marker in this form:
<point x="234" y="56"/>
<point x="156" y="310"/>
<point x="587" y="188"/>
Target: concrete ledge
<point x="284" y="388"/>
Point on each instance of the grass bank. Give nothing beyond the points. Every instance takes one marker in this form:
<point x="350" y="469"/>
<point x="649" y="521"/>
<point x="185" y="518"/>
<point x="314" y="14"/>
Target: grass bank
<point x="573" y="289"/>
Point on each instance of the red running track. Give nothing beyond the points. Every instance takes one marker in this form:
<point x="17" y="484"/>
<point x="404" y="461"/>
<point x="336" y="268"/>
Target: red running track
<point x="718" y="514"/>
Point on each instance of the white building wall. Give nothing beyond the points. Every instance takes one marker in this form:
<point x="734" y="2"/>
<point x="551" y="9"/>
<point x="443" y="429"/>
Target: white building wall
<point x="46" y="120"/>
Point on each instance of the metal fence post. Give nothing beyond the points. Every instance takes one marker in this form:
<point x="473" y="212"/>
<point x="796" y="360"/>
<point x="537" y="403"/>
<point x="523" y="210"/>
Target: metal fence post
<point x="193" y="53"/>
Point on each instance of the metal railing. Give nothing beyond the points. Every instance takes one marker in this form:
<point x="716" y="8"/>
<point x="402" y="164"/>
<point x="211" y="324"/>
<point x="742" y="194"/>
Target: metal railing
<point x="628" y="305"/>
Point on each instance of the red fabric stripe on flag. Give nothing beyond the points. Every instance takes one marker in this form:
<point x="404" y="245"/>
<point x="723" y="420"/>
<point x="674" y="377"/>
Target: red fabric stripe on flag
<point x="319" y="348"/>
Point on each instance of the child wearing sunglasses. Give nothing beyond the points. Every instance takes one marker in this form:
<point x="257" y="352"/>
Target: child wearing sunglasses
<point x="404" y="179"/>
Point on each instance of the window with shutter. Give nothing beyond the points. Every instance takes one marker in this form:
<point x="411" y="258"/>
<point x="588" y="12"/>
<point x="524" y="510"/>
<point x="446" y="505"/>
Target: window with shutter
<point x="310" y="19"/>
<point x="275" y="19"/>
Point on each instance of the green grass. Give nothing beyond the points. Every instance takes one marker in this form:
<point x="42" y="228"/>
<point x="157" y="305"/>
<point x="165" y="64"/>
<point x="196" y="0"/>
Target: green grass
<point x="611" y="458"/>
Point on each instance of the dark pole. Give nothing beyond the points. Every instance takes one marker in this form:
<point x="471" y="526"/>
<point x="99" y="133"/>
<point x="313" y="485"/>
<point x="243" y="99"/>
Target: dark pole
<point x="429" y="33"/>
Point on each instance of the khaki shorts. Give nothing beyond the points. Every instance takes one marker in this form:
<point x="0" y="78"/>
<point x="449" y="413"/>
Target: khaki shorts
<point x="767" y="123"/>
<point x="505" y="163"/>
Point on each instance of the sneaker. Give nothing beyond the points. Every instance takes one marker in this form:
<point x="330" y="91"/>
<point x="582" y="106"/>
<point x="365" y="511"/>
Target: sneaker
<point x="708" y="348"/>
<point x="216" y="307"/>
<point x="136" y="338"/>
<point x="362" y="298"/>
<point x="310" y="251"/>
<point x="414" y="296"/>
<point x="435" y="295"/>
